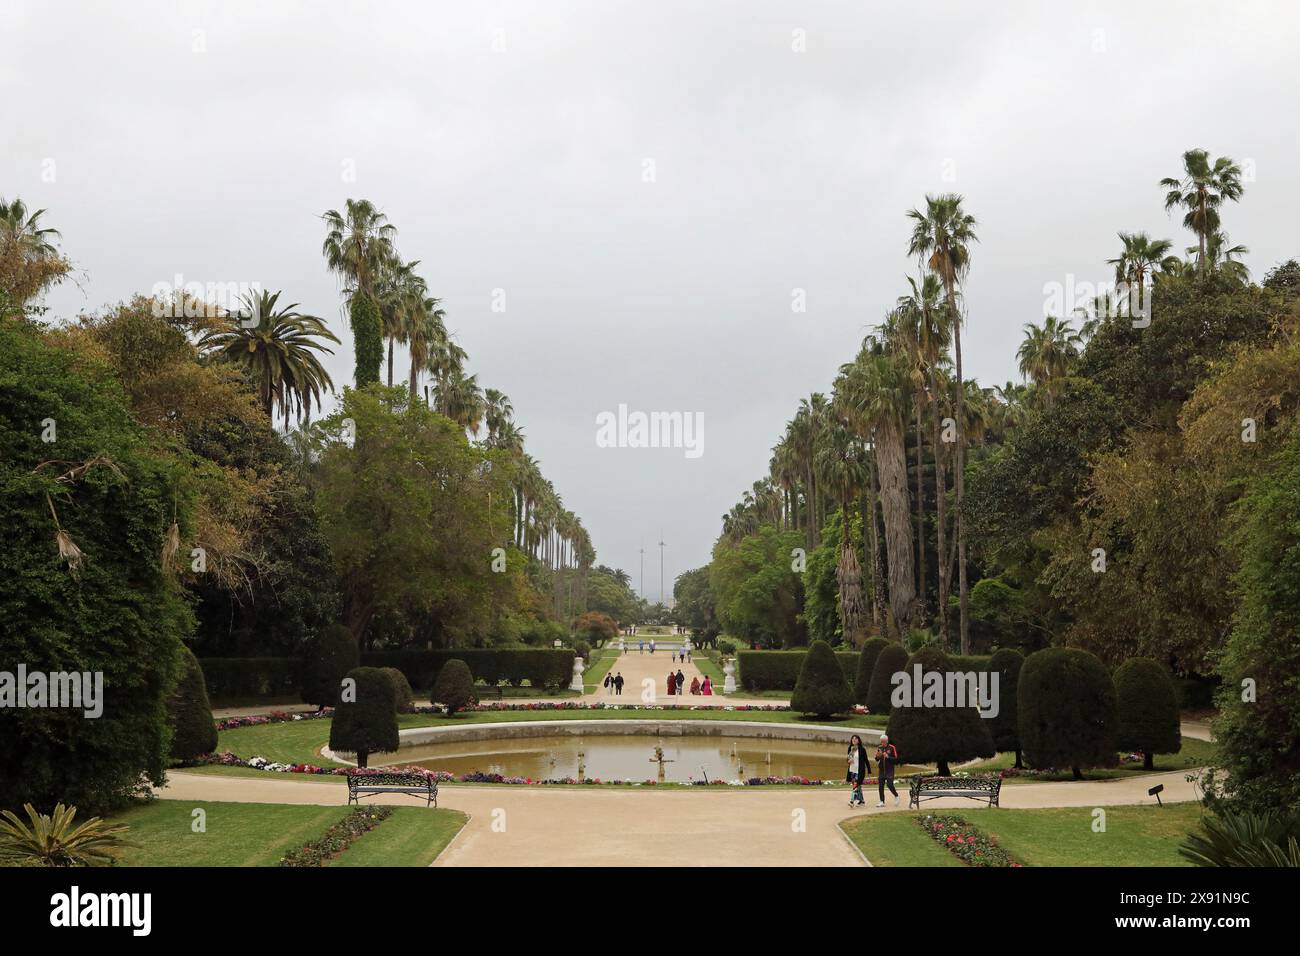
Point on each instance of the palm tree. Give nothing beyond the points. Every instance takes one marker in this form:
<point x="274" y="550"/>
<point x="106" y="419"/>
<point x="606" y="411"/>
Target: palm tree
<point x="279" y="353"/>
<point x="1224" y="259"/>
<point x="358" y="246"/>
<point x="1047" y="354"/>
<point x="1202" y="189"/>
<point x="401" y="294"/>
<point x="497" y="411"/>
<point x="29" y="259"/>
<point x="872" y="394"/>
<point x="1140" y="258"/>
<point x="426" y="336"/>
<point x="842" y="470"/>
<point x="941" y="239"/>
<point x="458" y="397"/>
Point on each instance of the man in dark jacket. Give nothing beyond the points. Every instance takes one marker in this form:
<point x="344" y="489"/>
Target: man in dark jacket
<point x="681" y="682"/>
<point x="886" y="759"/>
<point x="618" y="684"/>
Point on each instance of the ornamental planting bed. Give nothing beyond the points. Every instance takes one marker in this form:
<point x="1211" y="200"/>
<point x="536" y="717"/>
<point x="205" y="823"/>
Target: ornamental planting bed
<point x="969" y="844"/>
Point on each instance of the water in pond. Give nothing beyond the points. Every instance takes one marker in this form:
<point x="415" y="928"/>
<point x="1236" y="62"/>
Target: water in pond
<point x="631" y="757"/>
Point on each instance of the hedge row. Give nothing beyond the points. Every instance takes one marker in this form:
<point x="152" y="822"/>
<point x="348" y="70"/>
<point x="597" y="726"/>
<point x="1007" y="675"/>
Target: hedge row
<point x="230" y="678"/>
<point x="779" y="670"/>
<point x="541" y="667"/>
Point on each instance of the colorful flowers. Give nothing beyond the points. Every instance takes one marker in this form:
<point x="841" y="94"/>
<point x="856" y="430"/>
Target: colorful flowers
<point x="338" y="837"/>
<point x="973" y="846"/>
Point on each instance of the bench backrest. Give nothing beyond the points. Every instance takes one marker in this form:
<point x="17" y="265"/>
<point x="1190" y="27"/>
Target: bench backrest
<point x="957" y="783"/>
<point x="390" y="780"/>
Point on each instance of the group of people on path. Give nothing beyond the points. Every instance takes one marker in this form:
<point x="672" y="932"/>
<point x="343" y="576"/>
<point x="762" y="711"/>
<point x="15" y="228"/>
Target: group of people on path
<point x="677" y="685"/>
<point x="614" y="684"/>
<point x="860" y="766"/>
<point x="641" y="645"/>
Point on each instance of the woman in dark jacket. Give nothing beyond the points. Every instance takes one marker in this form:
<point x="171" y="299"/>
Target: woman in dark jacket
<point x="859" y="767"/>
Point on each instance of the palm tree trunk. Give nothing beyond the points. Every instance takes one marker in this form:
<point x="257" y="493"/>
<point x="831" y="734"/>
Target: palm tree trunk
<point x="897" y="511"/>
<point x="963" y="590"/>
<point x="872" y="540"/>
<point x="390" y="361"/>
<point x="920" y="524"/>
<point x="941" y="514"/>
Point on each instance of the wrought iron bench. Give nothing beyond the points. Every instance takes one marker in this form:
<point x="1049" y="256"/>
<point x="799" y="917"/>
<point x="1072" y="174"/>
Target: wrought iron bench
<point x="975" y="788"/>
<point x="367" y="784"/>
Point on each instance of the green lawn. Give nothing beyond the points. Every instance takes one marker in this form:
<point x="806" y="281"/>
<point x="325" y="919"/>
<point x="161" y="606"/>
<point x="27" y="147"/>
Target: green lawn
<point x="299" y="741"/>
<point x="1134" y="836"/>
<point x="601" y="661"/>
<point x="237" y="834"/>
<point x="412" y="836"/>
<point x="259" y="834"/>
<point x="1194" y="753"/>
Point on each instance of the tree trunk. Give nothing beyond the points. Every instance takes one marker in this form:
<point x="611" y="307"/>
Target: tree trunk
<point x="920" y="526"/>
<point x="941" y="513"/>
<point x="850" y="583"/>
<point x="363" y="758"/>
<point x="390" y="361"/>
<point x="960" y="465"/>
<point x="942" y="769"/>
<point x="870" y="540"/>
<point x="1019" y="763"/>
<point x="1078" y="775"/>
<point x="897" y="512"/>
<point x="1148" y="761"/>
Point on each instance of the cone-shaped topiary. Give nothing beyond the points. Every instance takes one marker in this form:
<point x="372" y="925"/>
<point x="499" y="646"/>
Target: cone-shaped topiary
<point x="1066" y="702"/>
<point x="454" y="688"/>
<point x="401" y="690"/>
<point x="326" y="661"/>
<point x="1147" y="707"/>
<point x="891" y="659"/>
<point x="821" y="688"/>
<point x="929" y="726"/>
<point x="193" y="731"/>
<point x="866" y="665"/>
<point x="365" y="720"/>
<point x="1006" y="663"/>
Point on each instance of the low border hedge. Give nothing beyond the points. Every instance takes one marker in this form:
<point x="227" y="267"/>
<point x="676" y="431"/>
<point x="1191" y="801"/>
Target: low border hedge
<point x="541" y="667"/>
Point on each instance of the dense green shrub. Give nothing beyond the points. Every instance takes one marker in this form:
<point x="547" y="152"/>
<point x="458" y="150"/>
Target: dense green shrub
<point x="954" y="730"/>
<point x="193" y="730"/>
<point x="107" y="608"/>
<point x="1006" y="663"/>
<point x="1066" y="702"/>
<point x="1147" y="710"/>
<point x="890" y="660"/>
<point x="454" y="688"/>
<point x="540" y="667"/>
<point x="326" y="660"/>
<point x="365" y="720"/>
<point x="402" y="690"/>
<point x="779" y="670"/>
<point x="367" y="339"/>
<point x="235" y="678"/>
<point x="821" y="688"/>
<point x="871" y="649"/>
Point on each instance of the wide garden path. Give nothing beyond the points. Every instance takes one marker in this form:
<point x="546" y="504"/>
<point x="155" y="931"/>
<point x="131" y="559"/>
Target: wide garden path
<point x="638" y="667"/>
<point x="522" y="825"/>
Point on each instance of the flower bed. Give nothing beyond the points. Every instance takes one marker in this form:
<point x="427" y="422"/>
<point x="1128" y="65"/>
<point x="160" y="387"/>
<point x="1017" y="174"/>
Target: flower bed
<point x="338" y="837"/>
<point x="973" y="846"/>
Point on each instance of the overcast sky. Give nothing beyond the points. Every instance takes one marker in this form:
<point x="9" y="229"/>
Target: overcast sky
<point x="648" y="183"/>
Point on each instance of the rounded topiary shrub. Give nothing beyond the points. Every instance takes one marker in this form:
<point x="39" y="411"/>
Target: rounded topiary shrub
<point x="454" y="688"/>
<point x="891" y="659"/>
<point x="1006" y="663"/>
<point x="1147" y="709"/>
<point x="1067" y="716"/>
<point x="821" y="688"/>
<point x="866" y="665"/>
<point x="402" y="690"/>
<point x="365" y="720"/>
<point x="930" y="726"/>
<point x="193" y="731"/>
<point x="327" y="659"/>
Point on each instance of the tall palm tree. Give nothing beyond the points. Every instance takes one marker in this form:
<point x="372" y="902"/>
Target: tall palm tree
<point x="872" y="394"/>
<point x="1202" y="190"/>
<point x="426" y="335"/>
<point x="279" y="353"/>
<point x="842" y="470"/>
<point x="458" y="397"/>
<point x="400" y="294"/>
<point x="1140" y="258"/>
<point x="1225" y="259"/>
<point x="941" y="239"/>
<point x="1047" y="354"/>
<point x="358" y="246"/>
<point x="29" y="259"/>
<point x="497" y="411"/>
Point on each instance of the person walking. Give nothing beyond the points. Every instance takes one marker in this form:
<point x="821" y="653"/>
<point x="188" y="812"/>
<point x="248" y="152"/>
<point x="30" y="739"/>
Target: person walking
<point x="859" y="767"/>
<point x="886" y="761"/>
<point x="618" y="684"/>
<point x="609" y="683"/>
<point x="652" y="645"/>
<point x="672" y="684"/>
<point x="640" y="647"/>
<point x="695" y="686"/>
<point x="681" y="682"/>
<point x="707" y="687"/>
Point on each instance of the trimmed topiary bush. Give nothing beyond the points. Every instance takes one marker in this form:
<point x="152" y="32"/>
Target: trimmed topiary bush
<point x="821" y="688"/>
<point x="193" y="731"/>
<point x="454" y="688"/>
<point x="866" y="665"/>
<point x="890" y="660"/>
<point x="402" y="690"/>
<point x="326" y="661"/>
<point x="937" y="731"/>
<point x="1005" y="727"/>
<point x="1147" y="709"/>
<point x="365" y="720"/>
<point x="1066" y="702"/>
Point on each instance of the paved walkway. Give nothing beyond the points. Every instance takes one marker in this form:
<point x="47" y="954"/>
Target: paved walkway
<point x="638" y="669"/>
<point x="524" y="826"/>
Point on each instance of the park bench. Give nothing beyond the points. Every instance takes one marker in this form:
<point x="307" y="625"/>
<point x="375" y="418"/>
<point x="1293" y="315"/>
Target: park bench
<point x="975" y="788"/>
<point x="367" y="784"/>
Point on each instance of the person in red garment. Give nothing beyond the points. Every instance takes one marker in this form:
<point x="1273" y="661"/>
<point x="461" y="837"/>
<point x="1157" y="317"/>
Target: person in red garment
<point x="707" y="687"/>
<point x="672" y="683"/>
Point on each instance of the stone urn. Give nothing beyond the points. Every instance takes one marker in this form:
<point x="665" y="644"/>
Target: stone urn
<point x="729" y="672"/>
<point x="578" y="667"/>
